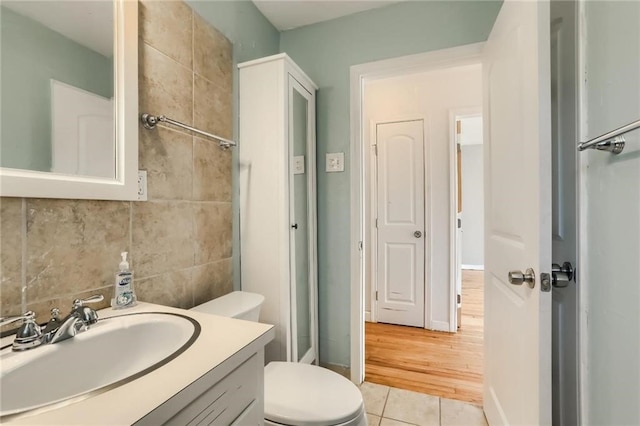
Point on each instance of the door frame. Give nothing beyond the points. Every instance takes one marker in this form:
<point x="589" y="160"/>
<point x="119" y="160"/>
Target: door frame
<point x="438" y="59"/>
<point x="370" y="187"/>
<point x="582" y="196"/>
<point x="453" y="203"/>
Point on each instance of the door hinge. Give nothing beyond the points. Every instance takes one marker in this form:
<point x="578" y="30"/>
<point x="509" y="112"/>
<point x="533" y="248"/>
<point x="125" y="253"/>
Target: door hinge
<point x="375" y="149"/>
<point x="459" y="223"/>
<point x="360" y="245"/>
<point x="376" y="222"/>
<point x="376" y="295"/>
<point x="459" y="299"/>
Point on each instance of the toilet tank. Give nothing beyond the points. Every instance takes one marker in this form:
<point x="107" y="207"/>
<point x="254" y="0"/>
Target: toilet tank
<point x="238" y="304"/>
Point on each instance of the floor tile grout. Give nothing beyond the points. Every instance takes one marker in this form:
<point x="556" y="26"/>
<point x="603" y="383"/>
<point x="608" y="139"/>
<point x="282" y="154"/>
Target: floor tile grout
<point x="387" y="404"/>
<point x="386" y="398"/>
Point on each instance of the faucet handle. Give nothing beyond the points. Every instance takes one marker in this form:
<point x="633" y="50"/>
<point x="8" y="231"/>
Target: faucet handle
<point x="29" y="334"/>
<point x="87" y="315"/>
<point x="92" y="299"/>
<point x="29" y="315"/>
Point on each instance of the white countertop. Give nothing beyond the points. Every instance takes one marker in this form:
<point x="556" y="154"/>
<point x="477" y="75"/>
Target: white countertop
<point x="220" y="338"/>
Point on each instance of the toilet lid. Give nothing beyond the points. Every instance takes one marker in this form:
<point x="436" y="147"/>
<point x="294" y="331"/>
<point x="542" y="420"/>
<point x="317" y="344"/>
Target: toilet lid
<point x="302" y="394"/>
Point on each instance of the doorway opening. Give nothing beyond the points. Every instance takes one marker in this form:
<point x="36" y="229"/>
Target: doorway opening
<point x="467" y="201"/>
<point x="412" y="276"/>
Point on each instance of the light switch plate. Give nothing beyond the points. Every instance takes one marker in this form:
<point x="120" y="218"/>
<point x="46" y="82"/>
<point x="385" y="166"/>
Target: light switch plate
<point x="142" y="185"/>
<point x="298" y="165"/>
<point x="334" y="162"/>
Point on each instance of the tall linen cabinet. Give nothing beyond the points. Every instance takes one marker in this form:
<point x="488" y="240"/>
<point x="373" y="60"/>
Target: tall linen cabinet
<point x="277" y="147"/>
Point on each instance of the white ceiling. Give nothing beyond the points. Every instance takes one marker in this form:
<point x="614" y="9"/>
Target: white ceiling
<point x="289" y="14"/>
<point x="89" y="23"/>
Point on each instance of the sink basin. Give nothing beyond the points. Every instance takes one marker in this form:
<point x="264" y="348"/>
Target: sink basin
<point x="112" y="352"/>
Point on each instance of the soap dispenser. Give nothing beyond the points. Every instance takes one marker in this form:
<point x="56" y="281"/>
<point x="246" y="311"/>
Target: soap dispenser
<point x="124" y="296"/>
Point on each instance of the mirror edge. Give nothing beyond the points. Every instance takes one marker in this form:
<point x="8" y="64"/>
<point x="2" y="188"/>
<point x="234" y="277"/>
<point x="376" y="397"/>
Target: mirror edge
<point x="33" y="184"/>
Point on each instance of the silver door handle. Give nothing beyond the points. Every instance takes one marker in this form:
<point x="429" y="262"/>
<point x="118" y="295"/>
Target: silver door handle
<point x="417" y="234"/>
<point x="561" y="276"/>
<point x="518" y="277"/>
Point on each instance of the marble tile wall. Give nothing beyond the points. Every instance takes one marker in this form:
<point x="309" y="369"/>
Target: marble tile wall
<point x="53" y="251"/>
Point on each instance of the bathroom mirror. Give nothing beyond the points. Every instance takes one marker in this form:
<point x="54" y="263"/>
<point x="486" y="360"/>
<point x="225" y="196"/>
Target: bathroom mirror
<point x="302" y="183"/>
<point x="69" y="84"/>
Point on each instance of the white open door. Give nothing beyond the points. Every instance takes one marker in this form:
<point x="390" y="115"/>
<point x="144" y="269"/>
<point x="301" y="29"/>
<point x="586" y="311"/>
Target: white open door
<point x="517" y="382"/>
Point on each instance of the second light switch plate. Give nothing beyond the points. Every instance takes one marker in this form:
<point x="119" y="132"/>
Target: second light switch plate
<point x="298" y="165"/>
<point x="334" y="162"/>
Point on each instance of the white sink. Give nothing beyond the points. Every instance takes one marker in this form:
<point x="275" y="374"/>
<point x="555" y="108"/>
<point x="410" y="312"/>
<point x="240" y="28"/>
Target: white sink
<point x="112" y="352"/>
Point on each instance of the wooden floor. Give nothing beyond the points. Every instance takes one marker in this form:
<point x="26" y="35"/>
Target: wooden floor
<point x="442" y="364"/>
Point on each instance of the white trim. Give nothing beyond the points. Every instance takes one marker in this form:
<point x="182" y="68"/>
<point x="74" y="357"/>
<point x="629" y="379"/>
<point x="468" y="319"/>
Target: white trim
<point x="27" y="183"/>
<point x="287" y="59"/>
<point x="357" y="237"/>
<point x="367" y="316"/>
<point x="582" y="235"/>
<point x="472" y="267"/>
<point x="369" y="222"/>
<point x="454" y="114"/>
<point x="456" y="56"/>
<point x="440" y="326"/>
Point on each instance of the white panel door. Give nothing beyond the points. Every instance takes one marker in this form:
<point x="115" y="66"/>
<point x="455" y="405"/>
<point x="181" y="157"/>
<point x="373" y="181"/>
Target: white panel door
<point x="400" y="222"/>
<point x="82" y="138"/>
<point x="517" y="380"/>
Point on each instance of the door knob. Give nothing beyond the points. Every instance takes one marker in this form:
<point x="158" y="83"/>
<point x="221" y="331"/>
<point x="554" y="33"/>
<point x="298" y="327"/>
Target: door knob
<point x="294" y="226"/>
<point x="518" y="277"/>
<point x="417" y="234"/>
<point x="561" y="276"/>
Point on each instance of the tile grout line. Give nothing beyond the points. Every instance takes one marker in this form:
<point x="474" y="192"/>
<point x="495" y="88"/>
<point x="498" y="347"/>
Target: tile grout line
<point x="131" y="254"/>
<point x="23" y="255"/>
<point x="193" y="152"/>
<point x="384" y="406"/>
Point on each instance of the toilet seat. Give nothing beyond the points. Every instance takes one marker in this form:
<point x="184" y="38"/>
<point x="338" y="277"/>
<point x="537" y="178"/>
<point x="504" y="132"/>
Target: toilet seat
<point x="307" y="395"/>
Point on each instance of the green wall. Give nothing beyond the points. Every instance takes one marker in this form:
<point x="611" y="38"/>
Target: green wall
<point x="610" y="275"/>
<point x="253" y="37"/>
<point x="31" y="55"/>
<point x="326" y="51"/>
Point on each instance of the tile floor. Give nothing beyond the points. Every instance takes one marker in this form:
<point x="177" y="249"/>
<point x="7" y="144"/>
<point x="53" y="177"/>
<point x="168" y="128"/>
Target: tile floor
<point x="387" y="406"/>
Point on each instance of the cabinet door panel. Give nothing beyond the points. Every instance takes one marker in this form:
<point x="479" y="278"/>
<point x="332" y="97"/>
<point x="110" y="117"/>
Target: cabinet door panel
<point x="302" y="182"/>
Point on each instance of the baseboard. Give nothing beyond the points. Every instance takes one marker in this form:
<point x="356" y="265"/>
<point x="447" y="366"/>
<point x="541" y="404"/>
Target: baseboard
<point x="473" y="267"/>
<point x="440" y="326"/>
<point x="340" y="369"/>
<point x="367" y="316"/>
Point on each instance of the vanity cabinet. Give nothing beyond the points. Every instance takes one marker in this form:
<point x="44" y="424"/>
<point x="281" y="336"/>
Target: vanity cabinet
<point x="230" y="394"/>
<point x="277" y="159"/>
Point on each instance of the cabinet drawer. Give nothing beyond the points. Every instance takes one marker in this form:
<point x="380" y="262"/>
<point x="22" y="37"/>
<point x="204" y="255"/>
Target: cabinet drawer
<point x="222" y="403"/>
<point x="250" y="416"/>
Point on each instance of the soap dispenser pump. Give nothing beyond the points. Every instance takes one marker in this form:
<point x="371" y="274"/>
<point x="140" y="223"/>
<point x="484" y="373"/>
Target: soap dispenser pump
<point x="124" y="296"/>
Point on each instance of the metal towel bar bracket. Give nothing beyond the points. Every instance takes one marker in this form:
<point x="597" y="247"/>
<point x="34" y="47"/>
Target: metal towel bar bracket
<point x="150" y="121"/>
<point x="612" y="141"/>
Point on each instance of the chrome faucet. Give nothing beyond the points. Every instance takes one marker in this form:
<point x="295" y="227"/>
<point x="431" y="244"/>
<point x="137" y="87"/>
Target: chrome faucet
<point x="31" y="335"/>
<point x="79" y="319"/>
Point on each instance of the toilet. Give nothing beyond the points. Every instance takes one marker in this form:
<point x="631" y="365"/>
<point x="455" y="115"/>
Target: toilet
<point x="295" y="394"/>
